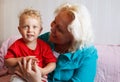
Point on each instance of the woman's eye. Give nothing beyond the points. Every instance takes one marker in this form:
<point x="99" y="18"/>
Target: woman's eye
<point x="59" y="29"/>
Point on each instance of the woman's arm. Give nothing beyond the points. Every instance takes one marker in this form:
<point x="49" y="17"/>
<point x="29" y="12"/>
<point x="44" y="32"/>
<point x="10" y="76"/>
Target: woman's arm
<point x="87" y="71"/>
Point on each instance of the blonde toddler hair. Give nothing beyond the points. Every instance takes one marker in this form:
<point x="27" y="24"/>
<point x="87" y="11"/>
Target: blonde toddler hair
<point x="29" y="12"/>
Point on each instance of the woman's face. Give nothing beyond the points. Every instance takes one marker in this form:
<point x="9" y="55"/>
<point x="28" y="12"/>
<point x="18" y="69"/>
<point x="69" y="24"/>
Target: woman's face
<point x="59" y="31"/>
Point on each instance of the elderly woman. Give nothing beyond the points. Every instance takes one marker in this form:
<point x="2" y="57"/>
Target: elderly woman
<point x="71" y="39"/>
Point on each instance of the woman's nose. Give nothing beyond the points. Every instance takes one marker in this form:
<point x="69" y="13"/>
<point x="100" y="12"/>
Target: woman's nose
<point x="53" y="27"/>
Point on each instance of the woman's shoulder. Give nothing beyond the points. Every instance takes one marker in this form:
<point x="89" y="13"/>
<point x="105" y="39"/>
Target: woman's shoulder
<point x="89" y="48"/>
<point x="89" y="51"/>
<point x="44" y="36"/>
<point x="83" y="52"/>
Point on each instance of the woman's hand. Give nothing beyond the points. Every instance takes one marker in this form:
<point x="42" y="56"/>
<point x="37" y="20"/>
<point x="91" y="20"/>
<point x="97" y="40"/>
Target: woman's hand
<point x="29" y="71"/>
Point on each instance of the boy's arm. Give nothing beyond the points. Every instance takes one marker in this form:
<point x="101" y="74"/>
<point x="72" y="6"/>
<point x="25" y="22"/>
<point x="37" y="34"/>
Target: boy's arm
<point x="48" y="68"/>
<point x="12" y="62"/>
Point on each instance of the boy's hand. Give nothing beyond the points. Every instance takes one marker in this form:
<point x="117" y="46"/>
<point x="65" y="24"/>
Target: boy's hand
<point x="34" y="59"/>
<point x="31" y="57"/>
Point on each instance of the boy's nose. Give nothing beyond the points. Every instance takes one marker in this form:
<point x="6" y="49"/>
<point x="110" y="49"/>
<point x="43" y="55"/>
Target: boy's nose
<point x="30" y="29"/>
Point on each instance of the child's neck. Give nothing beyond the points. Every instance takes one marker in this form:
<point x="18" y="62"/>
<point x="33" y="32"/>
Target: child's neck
<point x="32" y="45"/>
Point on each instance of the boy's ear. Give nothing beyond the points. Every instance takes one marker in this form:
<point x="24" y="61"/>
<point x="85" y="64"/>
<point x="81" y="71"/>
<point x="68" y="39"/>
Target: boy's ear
<point x="19" y="28"/>
<point x="41" y="29"/>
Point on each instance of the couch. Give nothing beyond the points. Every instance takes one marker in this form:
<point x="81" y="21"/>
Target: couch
<point x="108" y="68"/>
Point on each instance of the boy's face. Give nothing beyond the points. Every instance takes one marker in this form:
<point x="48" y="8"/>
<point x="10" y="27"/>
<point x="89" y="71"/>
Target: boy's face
<point x="30" y="28"/>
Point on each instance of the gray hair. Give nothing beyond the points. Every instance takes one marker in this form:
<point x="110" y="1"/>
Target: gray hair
<point x="80" y="27"/>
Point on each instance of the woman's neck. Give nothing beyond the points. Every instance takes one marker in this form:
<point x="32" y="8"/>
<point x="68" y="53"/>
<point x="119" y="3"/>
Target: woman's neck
<point x="61" y="48"/>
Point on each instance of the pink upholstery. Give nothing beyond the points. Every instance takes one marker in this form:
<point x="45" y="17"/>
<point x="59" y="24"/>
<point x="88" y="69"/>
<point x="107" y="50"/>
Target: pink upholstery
<point x="3" y="51"/>
<point x="5" y="78"/>
<point x="108" y="69"/>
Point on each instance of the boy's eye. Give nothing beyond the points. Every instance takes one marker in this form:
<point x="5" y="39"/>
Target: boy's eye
<point x="25" y="27"/>
<point x="34" y="26"/>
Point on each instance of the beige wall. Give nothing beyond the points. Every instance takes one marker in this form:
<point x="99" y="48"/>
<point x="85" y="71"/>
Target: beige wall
<point x="1" y="21"/>
<point x="105" y="14"/>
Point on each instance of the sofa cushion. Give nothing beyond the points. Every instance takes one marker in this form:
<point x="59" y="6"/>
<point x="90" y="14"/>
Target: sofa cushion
<point x="108" y="69"/>
<point x="3" y="51"/>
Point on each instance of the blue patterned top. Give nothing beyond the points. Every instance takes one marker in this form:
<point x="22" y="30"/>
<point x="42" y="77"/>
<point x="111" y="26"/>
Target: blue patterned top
<point x="79" y="66"/>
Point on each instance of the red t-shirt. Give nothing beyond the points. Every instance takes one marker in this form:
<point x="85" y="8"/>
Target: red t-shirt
<point x="43" y="52"/>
